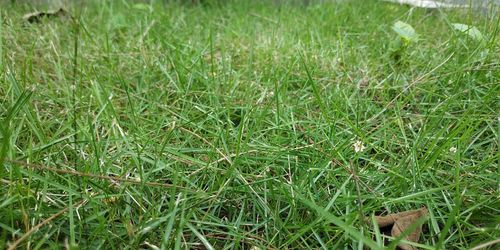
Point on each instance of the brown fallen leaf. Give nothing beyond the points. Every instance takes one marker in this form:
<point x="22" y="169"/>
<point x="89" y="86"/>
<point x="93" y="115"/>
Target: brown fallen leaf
<point x="401" y="222"/>
<point x="35" y="17"/>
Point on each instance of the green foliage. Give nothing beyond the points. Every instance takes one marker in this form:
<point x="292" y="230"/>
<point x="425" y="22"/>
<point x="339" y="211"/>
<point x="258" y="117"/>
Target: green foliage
<point x="405" y="31"/>
<point x="142" y="6"/>
<point x="471" y="31"/>
<point x="248" y="124"/>
<point x="398" y="47"/>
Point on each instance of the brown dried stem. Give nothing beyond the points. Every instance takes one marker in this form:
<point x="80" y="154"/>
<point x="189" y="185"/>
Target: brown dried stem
<point x="90" y="175"/>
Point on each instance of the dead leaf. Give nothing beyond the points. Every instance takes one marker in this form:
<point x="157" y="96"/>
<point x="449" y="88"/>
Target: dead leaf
<point x="35" y="17"/>
<point x="401" y="222"/>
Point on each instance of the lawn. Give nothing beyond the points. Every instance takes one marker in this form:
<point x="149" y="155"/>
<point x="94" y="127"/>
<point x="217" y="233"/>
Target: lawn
<point x="247" y="125"/>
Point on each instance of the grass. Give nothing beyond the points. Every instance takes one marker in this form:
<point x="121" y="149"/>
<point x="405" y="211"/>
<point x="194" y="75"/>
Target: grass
<point x="234" y="126"/>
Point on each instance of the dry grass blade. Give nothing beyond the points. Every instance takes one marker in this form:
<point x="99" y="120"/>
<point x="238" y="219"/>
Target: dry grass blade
<point x="487" y="244"/>
<point x="39" y="225"/>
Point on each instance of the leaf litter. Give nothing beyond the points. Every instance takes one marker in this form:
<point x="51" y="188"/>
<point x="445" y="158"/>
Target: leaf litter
<point x="37" y="16"/>
<point x="401" y="222"/>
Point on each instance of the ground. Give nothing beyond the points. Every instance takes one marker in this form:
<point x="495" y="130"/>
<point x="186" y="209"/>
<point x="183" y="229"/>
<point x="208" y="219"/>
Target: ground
<point x="246" y="125"/>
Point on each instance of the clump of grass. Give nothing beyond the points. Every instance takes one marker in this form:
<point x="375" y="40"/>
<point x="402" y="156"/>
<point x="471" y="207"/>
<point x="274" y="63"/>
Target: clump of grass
<point x="250" y="113"/>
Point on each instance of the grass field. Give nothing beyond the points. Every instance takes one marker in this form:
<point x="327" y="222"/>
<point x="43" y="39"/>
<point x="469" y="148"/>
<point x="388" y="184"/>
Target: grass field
<point x="246" y="125"/>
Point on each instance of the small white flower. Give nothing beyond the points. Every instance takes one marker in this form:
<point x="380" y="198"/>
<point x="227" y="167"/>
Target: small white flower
<point x="358" y="146"/>
<point x="453" y="150"/>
